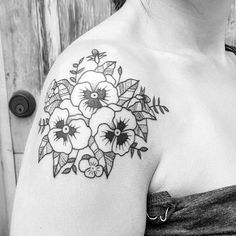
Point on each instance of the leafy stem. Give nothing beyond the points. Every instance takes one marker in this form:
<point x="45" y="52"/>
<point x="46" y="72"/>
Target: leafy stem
<point x="134" y="148"/>
<point x="157" y="107"/>
<point x="42" y="125"/>
<point x="71" y="161"/>
<point x="75" y="71"/>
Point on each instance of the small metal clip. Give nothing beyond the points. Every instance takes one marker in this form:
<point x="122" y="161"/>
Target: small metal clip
<point x="166" y="214"/>
<point x="160" y="217"/>
<point x="151" y="218"/>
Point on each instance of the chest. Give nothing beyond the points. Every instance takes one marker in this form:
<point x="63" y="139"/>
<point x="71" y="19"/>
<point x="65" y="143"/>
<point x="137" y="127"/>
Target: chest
<point x="198" y="136"/>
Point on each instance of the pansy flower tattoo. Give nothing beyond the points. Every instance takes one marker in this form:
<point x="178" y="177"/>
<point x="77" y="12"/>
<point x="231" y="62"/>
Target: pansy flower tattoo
<point x="94" y="117"/>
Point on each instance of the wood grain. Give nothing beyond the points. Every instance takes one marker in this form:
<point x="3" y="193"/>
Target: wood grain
<point x="21" y="58"/>
<point x="7" y="167"/>
<point x="48" y="34"/>
<point x="78" y="17"/>
<point x="3" y="213"/>
<point x="231" y="26"/>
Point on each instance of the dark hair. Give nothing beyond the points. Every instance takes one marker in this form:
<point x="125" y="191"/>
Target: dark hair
<point x="119" y="3"/>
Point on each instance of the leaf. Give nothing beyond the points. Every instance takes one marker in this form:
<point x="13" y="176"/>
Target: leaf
<point x="97" y="59"/>
<point x="63" y="92"/>
<point x="44" y="148"/>
<point x="139" y="154"/>
<point x="73" y="72"/>
<point x="109" y="158"/>
<point x="120" y="71"/>
<point x="143" y="149"/>
<point x="66" y="171"/>
<point x="126" y="90"/>
<point x="81" y="70"/>
<point x="161" y="109"/>
<point x="142" y="111"/>
<point x="73" y="79"/>
<point x="86" y="157"/>
<point x="141" y="115"/>
<point x="132" y="152"/>
<point x="134" y="145"/>
<point x="71" y="160"/>
<point x="51" y="90"/>
<point x="81" y="60"/>
<point x="43" y="123"/>
<point x="74" y="168"/>
<point x="107" y="68"/>
<point x="165" y="108"/>
<point x="90" y="58"/>
<point x="59" y="160"/>
<point x="52" y="103"/>
<point x="67" y="84"/>
<point x="142" y="129"/>
<point x="154" y="105"/>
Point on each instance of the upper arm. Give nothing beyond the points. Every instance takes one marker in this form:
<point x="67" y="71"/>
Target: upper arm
<point x="83" y="173"/>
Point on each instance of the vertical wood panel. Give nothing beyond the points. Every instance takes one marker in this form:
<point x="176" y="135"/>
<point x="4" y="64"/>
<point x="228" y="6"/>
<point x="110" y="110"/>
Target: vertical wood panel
<point x="21" y="58"/>
<point x="78" y="16"/>
<point x="3" y="212"/>
<point x="7" y="167"/>
<point x="48" y="34"/>
<point x="231" y="29"/>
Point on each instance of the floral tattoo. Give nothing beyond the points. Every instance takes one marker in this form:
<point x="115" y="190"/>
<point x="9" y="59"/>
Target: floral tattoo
<point x="94" y="117"/>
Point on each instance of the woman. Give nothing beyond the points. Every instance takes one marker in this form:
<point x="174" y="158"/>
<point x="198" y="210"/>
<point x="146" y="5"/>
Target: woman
<point x="142" y="105"/>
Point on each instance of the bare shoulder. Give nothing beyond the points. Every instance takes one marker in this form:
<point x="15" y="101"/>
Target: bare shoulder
<point x="90" y="153"/>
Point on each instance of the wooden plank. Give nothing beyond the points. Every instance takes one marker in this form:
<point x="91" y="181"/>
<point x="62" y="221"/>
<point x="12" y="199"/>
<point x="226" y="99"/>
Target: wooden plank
<point x="77" y="17"/>
<point x="231" y="27"/>
<point x="3" y="212"/>
<point x="48" y="33"/>
<point x="21" y="58"/>
<point x="7" y="166"/>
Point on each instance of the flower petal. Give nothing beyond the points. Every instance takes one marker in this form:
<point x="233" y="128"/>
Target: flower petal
<point x="93" y="161"/>
<point x="86" y="110"/>
<point x="58" y="115"/>
<point x="58" y="143"/>
<point x="73" y="110"/>
<point x="89" y="173"/>
<point x="99" y="171"/>
<point x="83" y="165"/>
<point x="104" y="115"/>
<point x="93" y="78"/>
<point x="126" y="117"/>
<point x="111" y="92"/>
<point x="123" y="142"/>
<point x="80" y="92"/>
<point x="80" y="138"/>
<point x="105" y="137"/>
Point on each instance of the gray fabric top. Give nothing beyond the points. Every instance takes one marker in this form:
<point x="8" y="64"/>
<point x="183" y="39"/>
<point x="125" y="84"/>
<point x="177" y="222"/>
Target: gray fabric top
<point x="208" y="213"/>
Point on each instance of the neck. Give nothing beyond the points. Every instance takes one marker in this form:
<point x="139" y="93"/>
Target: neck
<point x="179" y="25"/>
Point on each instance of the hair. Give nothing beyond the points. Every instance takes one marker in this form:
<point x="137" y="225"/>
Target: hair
<point x="119" y="4"/>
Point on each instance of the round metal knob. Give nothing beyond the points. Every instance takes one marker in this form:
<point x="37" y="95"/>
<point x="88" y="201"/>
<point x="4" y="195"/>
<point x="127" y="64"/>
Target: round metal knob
<point x="22" y="103"/>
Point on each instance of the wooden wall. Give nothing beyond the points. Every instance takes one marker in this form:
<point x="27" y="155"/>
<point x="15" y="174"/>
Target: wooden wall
<point x="33" y="33"/>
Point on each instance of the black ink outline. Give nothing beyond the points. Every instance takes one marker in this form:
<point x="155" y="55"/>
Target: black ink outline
<point x="137" y="103"/>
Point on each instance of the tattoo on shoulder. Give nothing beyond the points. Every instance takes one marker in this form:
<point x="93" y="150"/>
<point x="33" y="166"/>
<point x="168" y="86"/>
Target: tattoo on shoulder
<point x="95" y="116"/>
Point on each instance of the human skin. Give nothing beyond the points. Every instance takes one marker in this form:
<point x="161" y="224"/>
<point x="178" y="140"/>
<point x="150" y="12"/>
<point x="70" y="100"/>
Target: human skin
<point x="175" y="49"/>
